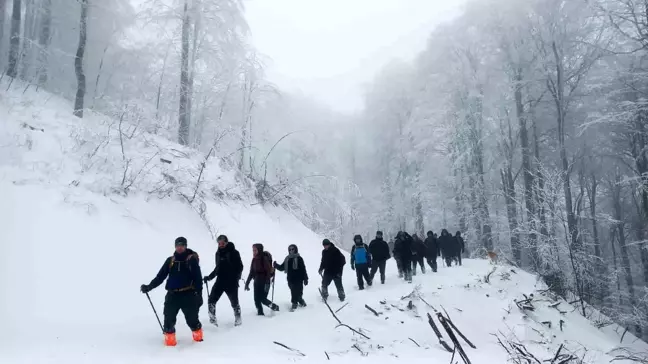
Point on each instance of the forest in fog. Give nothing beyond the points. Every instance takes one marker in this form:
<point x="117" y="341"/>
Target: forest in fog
<point x="523" y="124"/>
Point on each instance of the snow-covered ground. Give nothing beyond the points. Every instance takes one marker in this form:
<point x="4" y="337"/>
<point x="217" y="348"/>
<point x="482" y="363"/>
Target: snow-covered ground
<point x="76" y="249"/>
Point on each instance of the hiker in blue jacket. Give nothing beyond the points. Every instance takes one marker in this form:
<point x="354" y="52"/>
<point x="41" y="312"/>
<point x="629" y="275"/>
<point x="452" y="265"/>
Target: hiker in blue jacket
<point x="361" y="261"/>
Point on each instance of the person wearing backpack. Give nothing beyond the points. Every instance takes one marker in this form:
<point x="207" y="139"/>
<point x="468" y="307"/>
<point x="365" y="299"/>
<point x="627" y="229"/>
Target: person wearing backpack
<point x="184" y="291"/>
<point x="262" y="272"/>
<point x="331" y="269"/>
<point x="361" y="261"/>
<point x="228" y="270"/>
<point x="295" y="269"/>
<point x="379" y="250"/>
<point x="432" y="250"/>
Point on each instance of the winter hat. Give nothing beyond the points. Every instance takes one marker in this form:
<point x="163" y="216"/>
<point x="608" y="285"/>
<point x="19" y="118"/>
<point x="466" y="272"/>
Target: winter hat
<point x="326" y="242"/>
<point x="430" y="233"/>
<point x="458" y="233"/>
<point x="181" y="241"/>
<point x="222" y="238"/>
<point x="293" y="246"/>
<point x="357" y="239"/>
<point x="379" y="233"/>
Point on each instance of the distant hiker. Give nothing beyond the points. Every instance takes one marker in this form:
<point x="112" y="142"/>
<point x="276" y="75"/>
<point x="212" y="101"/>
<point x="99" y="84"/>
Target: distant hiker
<point x="361" y="261"/>
<point x="295" y="269"/>
<point x="418" y="254"/>
<point x="379" y="250"/>
<point x="184" y="291"/>
<point x="403" y="252"/>
<point x="228" y="270"/>
<point x="447" y="244"/>
<point x="396" y="255"/>
<point x="331" y="269"/>
<point x="460" y="246"/>
<point x="262" y="272"/>
<point x="432" y="250"/>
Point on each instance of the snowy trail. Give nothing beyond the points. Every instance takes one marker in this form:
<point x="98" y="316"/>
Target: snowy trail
<point x="76" y="261"/>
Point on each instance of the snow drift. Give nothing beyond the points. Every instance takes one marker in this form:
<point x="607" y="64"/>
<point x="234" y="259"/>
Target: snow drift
<point x="83" y="224"/>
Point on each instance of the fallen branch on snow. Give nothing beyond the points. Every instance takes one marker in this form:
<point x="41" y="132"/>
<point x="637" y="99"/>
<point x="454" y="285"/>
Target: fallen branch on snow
<point x="340" y="309"/>
<point x="289" y="348"/>
<point x="372" y="310"/>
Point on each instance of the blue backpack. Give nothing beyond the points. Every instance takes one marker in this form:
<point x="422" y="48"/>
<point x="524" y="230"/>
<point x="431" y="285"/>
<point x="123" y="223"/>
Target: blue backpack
<point x="360" y="255"/>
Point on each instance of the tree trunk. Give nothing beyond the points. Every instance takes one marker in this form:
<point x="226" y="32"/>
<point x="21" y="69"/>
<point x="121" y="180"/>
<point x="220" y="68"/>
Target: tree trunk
<point x="3" y="15"/>
<point x="28" y="38"/>
<point x="44" y="41"/>
<point x="78" y="60"/>
<point x="183" y="131"/>
<point x="14" y="43"/>
<point x="625" y="256"/>
<point x="508" y="188"/>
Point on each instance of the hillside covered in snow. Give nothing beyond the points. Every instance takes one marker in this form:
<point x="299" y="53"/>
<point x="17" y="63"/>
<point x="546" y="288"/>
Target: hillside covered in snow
<point x="89" y="210"/>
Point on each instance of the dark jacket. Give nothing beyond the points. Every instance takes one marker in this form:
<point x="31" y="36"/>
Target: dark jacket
<point x="357" y="253"/>
<point x="296" y="272"/>
<point x="183" y="272"/>
<point x="229" y="266"/>
<point x="432" y="247"/>
<point x="460" y="244"/>
<point x="403" y="247"/>
<point x="379" y="249"/>
<point x="447" y="244"/>
<point x="261" y="266"/>
<point x="418" y="247"/>
<point x="333" y="261"/>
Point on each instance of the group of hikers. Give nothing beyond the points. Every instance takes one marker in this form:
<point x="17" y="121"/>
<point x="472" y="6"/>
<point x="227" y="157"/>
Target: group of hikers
<point x="184" y="280"/>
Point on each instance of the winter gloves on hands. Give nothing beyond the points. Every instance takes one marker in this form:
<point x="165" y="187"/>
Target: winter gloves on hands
<point x="145" y="289"/>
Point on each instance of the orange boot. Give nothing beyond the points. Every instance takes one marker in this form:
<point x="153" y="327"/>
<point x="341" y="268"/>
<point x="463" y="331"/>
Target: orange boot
<point x="197" y="335"/>
<point x="170" y="339"/>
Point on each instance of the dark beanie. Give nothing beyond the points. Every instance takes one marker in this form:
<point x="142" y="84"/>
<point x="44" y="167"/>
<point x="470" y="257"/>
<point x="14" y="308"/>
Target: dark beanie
<point x="379" y="233"/>
<point x="326" y="242"/>
<point x="223" y="238"/>
<point x="181" y="241"/>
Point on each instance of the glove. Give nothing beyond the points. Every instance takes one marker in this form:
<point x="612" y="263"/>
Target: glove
<point x="145" y="289"/>
<point x="320" y="271"/>
<point x="275" y="265"/>
<point x="247" y="287"/>
<point x="306" y="282"/>
<point x="206" y="279"/>
<point x="199" y="298"/>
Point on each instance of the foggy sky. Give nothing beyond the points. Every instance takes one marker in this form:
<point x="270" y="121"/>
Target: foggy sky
<point x="328" y="49"/>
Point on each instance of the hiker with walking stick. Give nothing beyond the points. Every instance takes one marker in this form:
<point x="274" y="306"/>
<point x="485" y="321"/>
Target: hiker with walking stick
<point x="262" y="272"/>
<point x="184" y="291"/>
<point x="295" y="269"/>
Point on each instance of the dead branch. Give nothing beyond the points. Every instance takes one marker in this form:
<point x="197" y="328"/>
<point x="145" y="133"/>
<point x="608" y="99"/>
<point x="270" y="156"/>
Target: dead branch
<point x="327" y="356"/>
<point x="360" y="350"/>
<point x="354" y="330"/>
<point x="329" y="307"/>
<point x="372" y="310"/>
<point x="457" y="330"/>
<point x="289" y="348"/>
<point x="487" y="278"/>
<point x="410" y="305"/>
<point x="417" y="344"/>
<point x="454" y="339"/>
<point x="340" y="309"/>
<point x="438" y="333"/>
<point x="547" y="323"/>
<point x="624" y="332"/>
<point x="27" y="126"/>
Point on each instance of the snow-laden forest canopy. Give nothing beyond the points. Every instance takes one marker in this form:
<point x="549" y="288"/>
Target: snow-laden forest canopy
<point x="523" y="124"/>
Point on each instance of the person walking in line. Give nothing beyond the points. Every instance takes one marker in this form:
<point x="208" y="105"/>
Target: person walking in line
<point x="331" y="268"/>
<point x="432" y="250"/>
<point x="184" y="291"/>
<point x="295" y="269"/>
<point x="403" y="250"/>
<point x="447" y="244"/>
<point x="228" y="270"/>
<point x="262" y="272"/>
<point x="418" y="254"/>
<point x="460" y="246"/>
<point x="379" y="250"/>
<point x="361" y="261"/>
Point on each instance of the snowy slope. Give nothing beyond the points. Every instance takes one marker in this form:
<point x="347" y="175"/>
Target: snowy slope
<point x="76" y="248"/>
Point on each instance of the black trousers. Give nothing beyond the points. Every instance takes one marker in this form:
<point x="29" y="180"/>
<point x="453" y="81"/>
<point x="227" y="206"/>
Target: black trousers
<point x="406" y="266"/>
<point x="261" y="289"/>
<point x="448" y="261"/>
<point x="432" y="263"/>
<point x="417" y="259"/>
<point x="217" y="291"/>
<point x="327" y="278"/>
<point x="378" y="265"/>
<point x="362" y="271"/>
<point x="189" y="302"/>
<point x="296" y="292"/>
<point x="399" y="265"/>
<point x="457" y="258"/>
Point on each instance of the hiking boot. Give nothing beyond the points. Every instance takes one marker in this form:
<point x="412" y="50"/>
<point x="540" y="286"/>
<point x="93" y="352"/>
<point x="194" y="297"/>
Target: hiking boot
<point x="212" y="320"/>
<point x="274" y="307"/>
<point x="293" y="307"/>
<point x="369" y="283"/>
<point x="302" y="303"/>
<point x="361" y="288"/>
<point x="342" y="297"/>
<point x="237" y="320"/>
<point x="260" y="312"/>
<point x="170" y="339"/>
<point x="197" y="335"/>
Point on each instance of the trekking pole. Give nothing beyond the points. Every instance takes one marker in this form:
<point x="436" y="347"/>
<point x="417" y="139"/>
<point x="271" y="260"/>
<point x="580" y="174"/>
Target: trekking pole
<point x="273" y="282"/>
<point x="207" y="285"/>
<point x="155" y="312"/>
